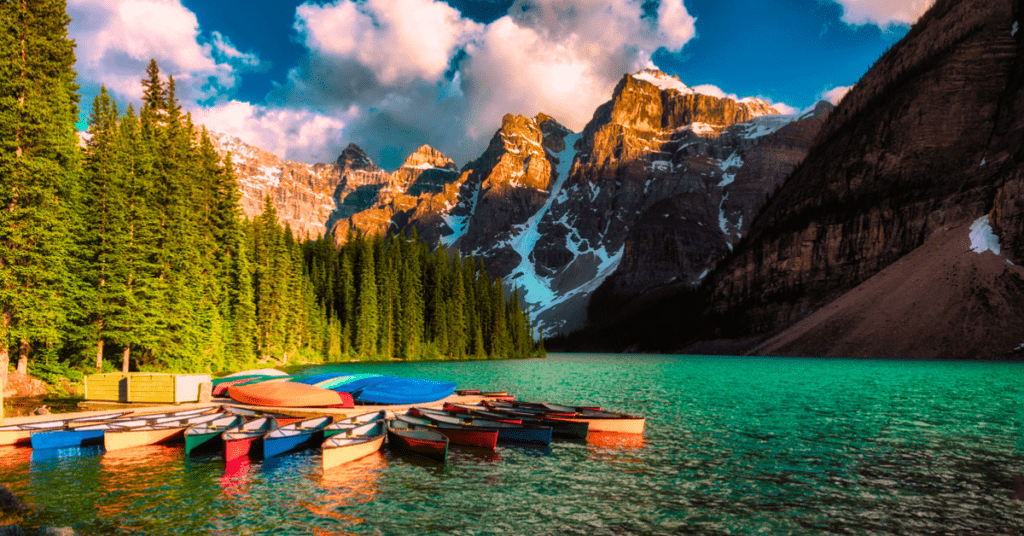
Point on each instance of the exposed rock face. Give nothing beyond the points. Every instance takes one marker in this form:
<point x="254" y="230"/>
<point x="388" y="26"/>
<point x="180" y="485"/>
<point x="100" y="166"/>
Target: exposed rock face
<point x="930" y="139"/>
<point x="303" y="194"/>
<point x="23" y="386"/>
<point x="663" y="180"/>
<point x="942" y="300"/>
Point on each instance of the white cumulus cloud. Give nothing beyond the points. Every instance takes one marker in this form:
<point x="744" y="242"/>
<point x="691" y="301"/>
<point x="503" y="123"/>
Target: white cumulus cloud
<point x="117" y="38"/>
<point x="564" y="59"/>
<point x="297" y="135"/>
<point x="399" y="40"/>
<point x="784" y="108"/>
<point x="836" y="94"/>
<point x="714" y="91"/>
<point x="883" y="12"/>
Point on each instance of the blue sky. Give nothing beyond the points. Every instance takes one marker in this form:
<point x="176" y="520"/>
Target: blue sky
<point x="303" y="79"/>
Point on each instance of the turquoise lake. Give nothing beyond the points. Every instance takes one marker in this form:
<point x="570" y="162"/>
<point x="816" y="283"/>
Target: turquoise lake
<point x="732" y="446"/>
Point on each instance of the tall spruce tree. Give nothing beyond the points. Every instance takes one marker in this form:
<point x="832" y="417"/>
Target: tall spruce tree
<point x="39" y="163"/>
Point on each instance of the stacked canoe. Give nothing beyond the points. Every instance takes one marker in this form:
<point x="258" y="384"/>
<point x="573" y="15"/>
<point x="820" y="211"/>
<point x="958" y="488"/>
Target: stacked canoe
<point x="338" y="390"/>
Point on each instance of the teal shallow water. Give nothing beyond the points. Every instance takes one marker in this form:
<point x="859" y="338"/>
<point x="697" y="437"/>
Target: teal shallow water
<point x="733" y="446"/>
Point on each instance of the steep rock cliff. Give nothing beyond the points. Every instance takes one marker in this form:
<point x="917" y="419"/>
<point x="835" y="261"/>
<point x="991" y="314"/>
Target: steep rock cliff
<point x="303" y="194"/>
<point x="927" y="141"/>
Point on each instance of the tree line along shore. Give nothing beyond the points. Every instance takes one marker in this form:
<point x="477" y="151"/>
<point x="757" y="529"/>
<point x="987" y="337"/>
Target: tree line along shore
<point x="129" y="248"/>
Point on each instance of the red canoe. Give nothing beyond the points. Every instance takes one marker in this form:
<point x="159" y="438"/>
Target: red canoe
<point x="459" y="434"/>
<point x="289" y="395"/>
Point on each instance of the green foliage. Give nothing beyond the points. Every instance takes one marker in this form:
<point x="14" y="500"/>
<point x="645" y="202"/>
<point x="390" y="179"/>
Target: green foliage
<point x="132" y="250"/>
<point x="390" y="297"/>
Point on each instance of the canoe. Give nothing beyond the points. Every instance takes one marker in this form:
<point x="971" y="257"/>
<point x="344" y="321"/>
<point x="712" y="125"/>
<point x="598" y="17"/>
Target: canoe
<point x="608" y="422"/>
<point x="247" y="440"/>
<point x="396" y="390"/>
<point x="599" y="421"/>
<point x="295" y="437"/>
<point x="559" y="428"/>
<point x="20" y="434"/>
<point x="353" y="443"/>
<point x="377" y="389"/>
<point x="289" y="394"/>
<point x="550" y="409"/>
<point x="515" y="433"/>
<point x="207" y="436"/>
<point x="479" y="412"/>
<point x="459" y="434"/>
<point x="124" y="437"/>
<point x="424" y="442"/>
<point x="221" y="385"/>
<point x="257" y="372"/>
<point x="346" y="424"/>
<point x="92" y="433"/>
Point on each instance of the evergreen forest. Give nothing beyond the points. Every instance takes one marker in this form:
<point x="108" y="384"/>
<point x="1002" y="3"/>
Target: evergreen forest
<point x="127" y="248"/>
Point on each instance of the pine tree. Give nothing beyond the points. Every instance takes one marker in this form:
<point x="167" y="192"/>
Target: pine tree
<point x="39" y="166"/>
<point x="103" y="243"/>
<point x="366" y="303"/>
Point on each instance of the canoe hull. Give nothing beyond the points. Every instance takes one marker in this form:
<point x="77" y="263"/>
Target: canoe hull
<point x="66" y="438"/>
<point x="283" y="445"/>
<point x="430" y="448"/>
<point x="197" y="443"/>
<point x="335" y="456"/>
<point x="16" y="437"/>
<point x="117" y="439"/>
<point x="470" y="438"/>
<point x="289" y="394"/>
<point x="250" y="447"/>
<point x="537" y="435"/>
<point x="612" y="425"/>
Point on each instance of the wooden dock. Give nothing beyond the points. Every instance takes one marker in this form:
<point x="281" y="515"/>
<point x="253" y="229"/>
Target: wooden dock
<point x="98" y="407"/>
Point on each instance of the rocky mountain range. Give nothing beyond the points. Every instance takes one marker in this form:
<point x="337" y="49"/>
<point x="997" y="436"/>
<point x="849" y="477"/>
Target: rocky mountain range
<point x="657" y="188"/>
<point x="900" y="233"/>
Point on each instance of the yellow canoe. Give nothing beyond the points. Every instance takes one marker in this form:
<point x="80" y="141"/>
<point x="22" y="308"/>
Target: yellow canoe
<point x="353" y="444"/>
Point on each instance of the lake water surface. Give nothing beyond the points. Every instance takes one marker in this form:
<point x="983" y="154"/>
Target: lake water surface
<point x="733" y="446"/>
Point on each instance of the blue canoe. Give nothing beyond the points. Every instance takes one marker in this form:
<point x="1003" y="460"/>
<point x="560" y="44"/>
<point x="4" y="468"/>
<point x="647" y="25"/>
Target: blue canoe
<point x="378" y="389"/>
<point x="295" y="437"/>
<point x="81" y="436"/>
<point x="396" y="390"/>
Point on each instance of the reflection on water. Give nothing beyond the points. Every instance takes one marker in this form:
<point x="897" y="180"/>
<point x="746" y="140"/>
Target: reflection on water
<point x="732" y="446"/>
<point x="347" y="486"/>
<point x="235" y="480"/>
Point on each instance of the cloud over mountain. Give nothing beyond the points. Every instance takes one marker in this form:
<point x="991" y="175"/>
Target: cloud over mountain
<point x="883" y="12"/>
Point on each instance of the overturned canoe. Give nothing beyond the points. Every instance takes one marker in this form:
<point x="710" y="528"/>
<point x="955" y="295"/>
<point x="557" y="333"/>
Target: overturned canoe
<point x="353" y="443"/>
<point x="288" y="395"/>
<point x="295" y="437"/>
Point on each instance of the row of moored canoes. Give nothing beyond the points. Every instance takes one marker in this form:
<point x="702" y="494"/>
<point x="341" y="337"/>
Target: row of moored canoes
<point x="251" y="433"/>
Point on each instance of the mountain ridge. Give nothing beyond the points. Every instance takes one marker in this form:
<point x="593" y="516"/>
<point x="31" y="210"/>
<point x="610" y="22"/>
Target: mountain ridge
<point x="551" y="211"/>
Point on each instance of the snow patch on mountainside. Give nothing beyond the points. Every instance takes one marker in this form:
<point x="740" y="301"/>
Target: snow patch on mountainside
<point x="764" y="125"/>
<point x="982" y="237"/>
<point x="459" y="224"/>
<point x="537" y="290"/>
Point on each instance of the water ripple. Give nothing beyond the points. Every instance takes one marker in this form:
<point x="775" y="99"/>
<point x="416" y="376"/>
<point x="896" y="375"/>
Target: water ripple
<point x="733" y="446"/>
